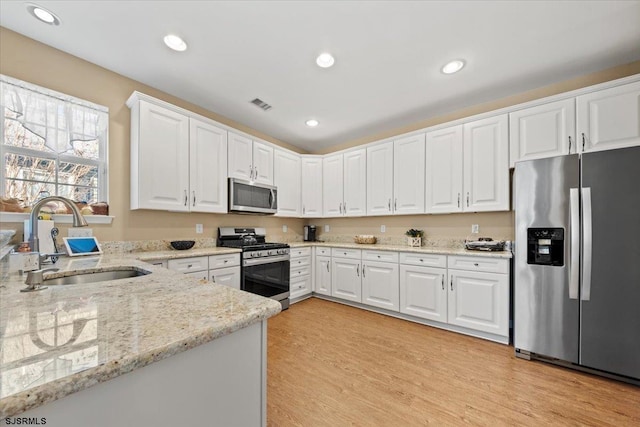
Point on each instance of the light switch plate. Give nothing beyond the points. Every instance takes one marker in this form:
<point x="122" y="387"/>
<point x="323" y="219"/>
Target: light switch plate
<point x="199" y="229"/>
<point x="327" y="228"/>
<point x="383" y="228"/>
<point x="475" y="228"/>
<point x="284" y="228"/>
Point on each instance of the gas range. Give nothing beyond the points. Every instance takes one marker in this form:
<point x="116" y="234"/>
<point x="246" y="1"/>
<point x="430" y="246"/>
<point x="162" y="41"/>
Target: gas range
<point x="264" y="265"/>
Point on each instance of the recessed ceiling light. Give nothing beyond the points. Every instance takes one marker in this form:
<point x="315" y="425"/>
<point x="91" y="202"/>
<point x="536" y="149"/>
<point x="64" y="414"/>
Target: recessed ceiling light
<point x="312" y="123"/>
<point x="43" y="14"/>
<point x="453" y="66"/>
<point x="175" y="42"/>
<point x="325" y="60"/>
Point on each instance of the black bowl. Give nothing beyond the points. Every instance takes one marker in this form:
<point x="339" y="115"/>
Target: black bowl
<point x="182" y="245"/>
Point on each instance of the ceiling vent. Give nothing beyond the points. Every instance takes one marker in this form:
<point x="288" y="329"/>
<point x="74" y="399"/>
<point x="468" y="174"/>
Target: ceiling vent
<point x="261" y="104"/>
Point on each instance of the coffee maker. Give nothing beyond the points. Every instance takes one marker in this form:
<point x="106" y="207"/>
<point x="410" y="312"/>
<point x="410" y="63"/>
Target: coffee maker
<point x="309" y="233"/>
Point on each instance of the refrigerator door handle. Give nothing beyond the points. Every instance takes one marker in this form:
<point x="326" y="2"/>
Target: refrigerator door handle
<point x="574" y="267"/>
<point x="586" y="244"/>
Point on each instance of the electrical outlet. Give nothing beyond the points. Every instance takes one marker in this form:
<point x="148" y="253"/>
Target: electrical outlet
<point x="383" y="228"/>
<point x="284" y="228"/>
<point x="327" y="228"/>
<point x="199" y="229"/>
<point x="475" y="228"/>
<point x="80" y="232"/>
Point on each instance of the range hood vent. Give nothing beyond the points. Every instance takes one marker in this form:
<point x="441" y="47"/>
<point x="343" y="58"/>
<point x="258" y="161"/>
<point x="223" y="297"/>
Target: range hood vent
<point x="261" y="104"/>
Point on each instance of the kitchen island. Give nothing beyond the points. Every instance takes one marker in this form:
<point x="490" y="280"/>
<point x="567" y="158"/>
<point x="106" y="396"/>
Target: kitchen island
<point x="60" y="346"/>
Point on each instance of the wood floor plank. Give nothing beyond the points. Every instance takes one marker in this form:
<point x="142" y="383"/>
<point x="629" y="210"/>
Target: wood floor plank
<point x="334" y="365"/>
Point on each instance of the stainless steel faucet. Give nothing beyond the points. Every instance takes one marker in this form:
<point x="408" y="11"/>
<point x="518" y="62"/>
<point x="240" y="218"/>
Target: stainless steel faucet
<point x="78" y="219"/>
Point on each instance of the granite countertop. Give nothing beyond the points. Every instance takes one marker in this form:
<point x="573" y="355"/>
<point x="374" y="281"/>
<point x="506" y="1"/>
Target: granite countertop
<point x="173" y="254"/>
<point x="399" y="248"/>
<point x="66" y="338"/>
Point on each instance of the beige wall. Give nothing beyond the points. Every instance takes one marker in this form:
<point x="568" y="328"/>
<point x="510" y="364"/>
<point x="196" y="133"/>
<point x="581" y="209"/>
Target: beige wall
<point x="34" y="62"/>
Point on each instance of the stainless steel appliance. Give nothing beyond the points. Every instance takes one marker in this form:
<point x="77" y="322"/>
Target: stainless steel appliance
<point x="251" y="197"/>
<point x="577" y="261"/>
<point x="309" y="233"/>
<point x="264" y="266"/>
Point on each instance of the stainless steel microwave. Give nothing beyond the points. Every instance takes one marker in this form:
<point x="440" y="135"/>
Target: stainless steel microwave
<point x="251" y="197"/>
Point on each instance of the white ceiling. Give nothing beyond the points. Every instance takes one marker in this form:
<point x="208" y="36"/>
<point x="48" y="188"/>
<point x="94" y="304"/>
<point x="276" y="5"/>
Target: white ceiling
<point x="388" y="54"/>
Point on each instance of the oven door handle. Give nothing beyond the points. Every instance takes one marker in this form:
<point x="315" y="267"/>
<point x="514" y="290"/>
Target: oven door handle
<point x="266" y="260"/>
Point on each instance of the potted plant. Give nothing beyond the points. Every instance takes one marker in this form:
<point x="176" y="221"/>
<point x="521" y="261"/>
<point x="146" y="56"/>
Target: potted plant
<point x="414" y="237"/>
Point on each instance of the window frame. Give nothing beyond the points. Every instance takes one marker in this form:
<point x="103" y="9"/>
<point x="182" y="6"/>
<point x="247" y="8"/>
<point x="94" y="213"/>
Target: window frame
<point x="102" y="163"/>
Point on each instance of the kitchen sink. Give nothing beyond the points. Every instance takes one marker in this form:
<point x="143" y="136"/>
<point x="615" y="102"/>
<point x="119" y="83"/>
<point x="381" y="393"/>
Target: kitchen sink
<point x="93" y="276"/>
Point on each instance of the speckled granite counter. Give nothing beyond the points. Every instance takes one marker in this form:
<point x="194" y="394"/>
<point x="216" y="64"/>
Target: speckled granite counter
<point x="69" y="337"/>
<point x="425" y="250"/>
<point x="173" y="254"/>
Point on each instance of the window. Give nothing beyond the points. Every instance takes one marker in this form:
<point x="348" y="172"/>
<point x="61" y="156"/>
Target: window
<point x="52" y="144"/>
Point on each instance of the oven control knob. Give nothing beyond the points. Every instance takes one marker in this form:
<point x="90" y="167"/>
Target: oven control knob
<point x="258" y="254"/>
<point x="282" y="251"/>
<point x="270" y="253"/>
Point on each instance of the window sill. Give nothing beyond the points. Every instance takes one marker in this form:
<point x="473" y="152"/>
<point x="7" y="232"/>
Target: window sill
<point x="59" y="218"/>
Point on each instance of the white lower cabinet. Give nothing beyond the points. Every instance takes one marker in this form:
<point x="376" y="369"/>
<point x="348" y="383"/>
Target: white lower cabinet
<point x="380" y="285"/>
<point x="345" y="279"/>
<point x="322" y="283"/>
<point x="423" y="292"/>
<point x="221" y="269"/>
<point x="479" y="301"/>
<point x="229" y="276"/>
<point x="299" y="273"/>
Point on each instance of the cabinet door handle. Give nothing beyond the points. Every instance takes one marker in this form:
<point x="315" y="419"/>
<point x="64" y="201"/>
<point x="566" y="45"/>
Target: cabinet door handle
<point x="303" y="210"/>
<point x="569" y="144"/>
<point x="213" y="278"/>
<point x="458" y="199"/>
<point x="190" y="265"/>
<point x="389" y="204"/>
<point x="186" y="198"/>
<point x="194" y="198"/>
<point x="250" y="172"/>
<point x="327" y="267"/>
<point x="451" y="282"/>
<point x="358" y="270"/>
<point x="442" y="282"/>
<point x="344" y="208"/>
<point x="467" y="199"/>
<point x="363" y="268"/>
<point x="340" y="208"/>
<point x="583" y="141"/>
<point x="256" y="170"/>
<point x="395" y="205"/>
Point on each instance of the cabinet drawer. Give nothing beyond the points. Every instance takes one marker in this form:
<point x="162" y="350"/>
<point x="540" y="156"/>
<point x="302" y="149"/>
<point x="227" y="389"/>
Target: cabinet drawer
<point x="384" y="256"/>
<point x="300" y="272"/>
<point x="471" y="263"/>
<point x="427" y="260"/>
<point x="188" y="265"/>
<point x="299" y="262"/>
<point x="346" y="253"/>
<point x="323" y="251"/>
<point x="204" y="275"/>
<point x="298" y="252"/>
<point x="300" y="287"/>
<point x="221" y="261"/>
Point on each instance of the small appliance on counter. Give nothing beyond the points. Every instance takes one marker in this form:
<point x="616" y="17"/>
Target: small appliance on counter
<point x="309" y="233"/>
<point x="484" y="244"/>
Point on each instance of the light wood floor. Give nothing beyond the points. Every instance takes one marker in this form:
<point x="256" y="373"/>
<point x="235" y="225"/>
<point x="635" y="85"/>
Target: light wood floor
<point x="334" y="365"/>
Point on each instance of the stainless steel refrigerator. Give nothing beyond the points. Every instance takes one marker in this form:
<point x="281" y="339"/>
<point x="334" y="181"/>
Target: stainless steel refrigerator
<point x="577" y="260"/>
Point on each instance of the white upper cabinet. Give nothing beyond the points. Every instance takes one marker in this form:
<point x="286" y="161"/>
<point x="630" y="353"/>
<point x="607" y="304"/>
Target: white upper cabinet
<point x="609" y="118"/>
<point x="344" y="184"/>
<point x="311" y="186"/>
<point x="444" y="170"/>
<point x="332" y="185"/>
<point x="287" y="180"/>
<point x="486" y="164"/>
<point x="408" y="175"/>
<point x="159" y="158"/>
<point x="380" y="179"/>
<point x="543" y="131"/>
<point x="355" y="183"/>
<point x="250" y="160"/>
<point x="178" y="163"/>
<point x="208" y="167"/>
<point x="262" y="163"/>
